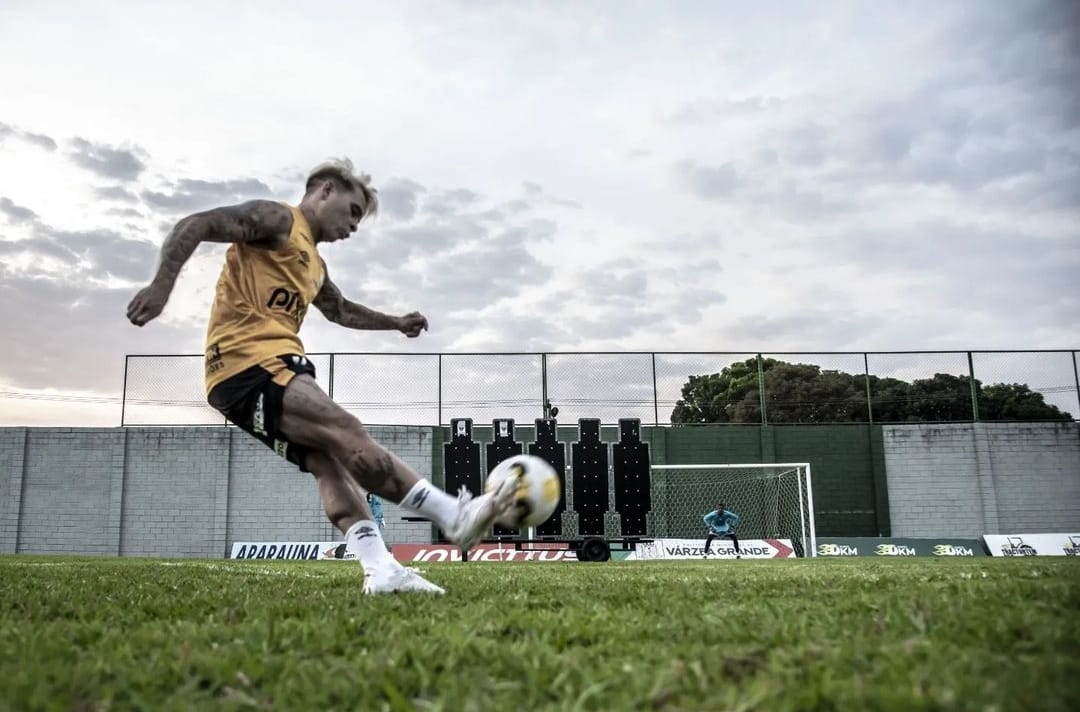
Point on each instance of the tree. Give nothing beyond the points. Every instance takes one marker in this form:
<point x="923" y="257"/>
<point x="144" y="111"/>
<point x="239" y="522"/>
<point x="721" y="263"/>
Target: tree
<point x="804" y="393"/>
<point x="730" y="396"/>
<point x="1015" y="401"/>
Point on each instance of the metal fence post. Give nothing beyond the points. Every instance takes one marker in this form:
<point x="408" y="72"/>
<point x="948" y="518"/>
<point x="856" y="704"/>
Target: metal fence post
<point x="330" y="386"/>
<point x="869" y="397"/>
<point x="655" y="394"/>
<point x="974" y="389"/>
<point x="1076" y="377"/>
<point x="761" y="388"/>
<point x="439" y="396"/>
<point x="123" y="396"/>
<point x="544" y="406"/>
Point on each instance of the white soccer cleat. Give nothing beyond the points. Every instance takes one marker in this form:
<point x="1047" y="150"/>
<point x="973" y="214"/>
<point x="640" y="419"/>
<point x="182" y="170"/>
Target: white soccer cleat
<point x="397" y="579"/>
<point x="477" y="514"/>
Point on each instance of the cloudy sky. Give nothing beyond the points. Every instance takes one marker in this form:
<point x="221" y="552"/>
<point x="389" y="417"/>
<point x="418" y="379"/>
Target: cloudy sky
<point x="572" y="176"/>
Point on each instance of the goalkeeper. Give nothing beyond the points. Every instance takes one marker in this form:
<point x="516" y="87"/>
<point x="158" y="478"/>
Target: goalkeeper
<point x="721" y="523"/>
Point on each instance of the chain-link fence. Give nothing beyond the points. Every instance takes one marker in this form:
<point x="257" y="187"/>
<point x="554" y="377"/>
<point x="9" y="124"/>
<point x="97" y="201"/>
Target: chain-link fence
<point x="659" y="388"/>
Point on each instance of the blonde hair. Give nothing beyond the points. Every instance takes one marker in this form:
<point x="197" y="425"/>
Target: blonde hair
<point x="344" y="175"/>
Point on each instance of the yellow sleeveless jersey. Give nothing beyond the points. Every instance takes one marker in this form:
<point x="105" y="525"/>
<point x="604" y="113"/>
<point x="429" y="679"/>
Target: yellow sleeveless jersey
<point x="261" y="298"/>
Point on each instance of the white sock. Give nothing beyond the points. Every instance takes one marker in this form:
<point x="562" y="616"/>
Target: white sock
<point x="432" y="503"/>
<point x="365" y="543"/>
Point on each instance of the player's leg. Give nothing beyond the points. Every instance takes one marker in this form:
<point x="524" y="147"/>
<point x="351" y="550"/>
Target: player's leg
<point x="252" y="400"/>
<point x="734" y="538"/>
<point x="309" y="418"/>
<point x="708" y="542"/>
<point x="347" y="508"/>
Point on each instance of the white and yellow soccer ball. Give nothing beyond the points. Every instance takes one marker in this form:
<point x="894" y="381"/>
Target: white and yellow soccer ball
<point x="538" y="490"/>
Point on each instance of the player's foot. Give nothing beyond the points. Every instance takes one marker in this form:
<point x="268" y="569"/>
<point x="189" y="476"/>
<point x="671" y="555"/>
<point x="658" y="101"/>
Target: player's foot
<point x="477" y="514"/>
<point x="397" y="579"/>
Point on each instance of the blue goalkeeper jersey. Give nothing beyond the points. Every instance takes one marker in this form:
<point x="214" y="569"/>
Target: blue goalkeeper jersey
<point x="376" y="507"/>
<point x="721" y="522"/>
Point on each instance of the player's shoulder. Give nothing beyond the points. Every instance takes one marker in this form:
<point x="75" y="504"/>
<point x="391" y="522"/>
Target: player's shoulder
<point x="266" y="223"/>
<point x="275" y="214"/>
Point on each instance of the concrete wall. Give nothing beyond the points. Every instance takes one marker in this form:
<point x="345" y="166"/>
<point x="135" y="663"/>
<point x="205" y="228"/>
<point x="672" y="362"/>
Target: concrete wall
<point x="12" y="468"/>
<point x="72" y="490"/>
<point x="195" y="491"/>
<point x="976" y="478"/>
<point x="169" y="491"/>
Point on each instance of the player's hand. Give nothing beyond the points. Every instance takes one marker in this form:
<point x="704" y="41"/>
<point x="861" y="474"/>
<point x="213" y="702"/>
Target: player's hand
<point x="412" y="324"/>
<point x="148" y="303"/>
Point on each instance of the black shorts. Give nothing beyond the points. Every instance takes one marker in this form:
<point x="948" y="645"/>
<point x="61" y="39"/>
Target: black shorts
<point x="253" y="398"/>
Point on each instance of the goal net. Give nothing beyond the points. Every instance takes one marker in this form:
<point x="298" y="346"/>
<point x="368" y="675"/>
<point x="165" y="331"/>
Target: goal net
<point x="773" y="501"/>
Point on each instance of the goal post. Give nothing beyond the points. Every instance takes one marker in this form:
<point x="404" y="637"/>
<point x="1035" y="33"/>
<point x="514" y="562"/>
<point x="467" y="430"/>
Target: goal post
<point x="773" y="501"/>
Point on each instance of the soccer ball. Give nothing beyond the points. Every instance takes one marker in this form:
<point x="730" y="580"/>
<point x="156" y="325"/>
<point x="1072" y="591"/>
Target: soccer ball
<point x="538" y="490"/>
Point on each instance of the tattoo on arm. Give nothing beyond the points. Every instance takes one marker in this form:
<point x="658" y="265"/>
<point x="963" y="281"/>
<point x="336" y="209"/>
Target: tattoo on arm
<point x="256" y="221"/>
<point x="338" y="309"/>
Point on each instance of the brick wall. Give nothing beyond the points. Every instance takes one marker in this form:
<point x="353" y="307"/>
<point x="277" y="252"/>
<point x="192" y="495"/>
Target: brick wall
<point x="12" y="451"/>
<point x="194" y="491"/>
<point x="170" y="492"/>
<point x="983" y="478"/>
<point x="269" y="498"/>
<point x="72" y="489"/>
<point x="175" y="482"/>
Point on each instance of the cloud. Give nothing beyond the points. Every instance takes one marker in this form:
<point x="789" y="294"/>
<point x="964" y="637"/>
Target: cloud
<point x="398" y="198"/>
<point x="800" y="328"/>
<point x="488" y="272"/>
<point x="39" y="140"/>
<point x="108" y="252"/>
<point x="83" y="255"/>
<point x="605" y="287"/>
<point x="124" y="212"/>
<point x="190" y="195"/>
<point x="806" y="145"/>
<point x="499" y="329"/>
<point x="38" y="248"/>
<point x="900" y="174"/>
<point x="1033" y="48"/>
<point x="777" y="193"/>
<point x="708" y="110"/>
<point x="706" y="182"/>
<point x="692" y="302"/>
<point x="107" y="161"/>
<point x="448" y="202"/>
<point x="991" y="275"/>
<point x="115" y="192"/>
<point x="16" y="213"/>
<point x="540" y="197"/>
<point x="79" y="342"/>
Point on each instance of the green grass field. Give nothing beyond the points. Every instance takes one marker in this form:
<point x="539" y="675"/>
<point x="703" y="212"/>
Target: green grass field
<point x="853" y="634"/>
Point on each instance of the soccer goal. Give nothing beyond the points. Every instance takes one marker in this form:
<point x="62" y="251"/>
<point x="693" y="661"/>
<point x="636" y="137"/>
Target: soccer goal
<point x="773" y="501"/>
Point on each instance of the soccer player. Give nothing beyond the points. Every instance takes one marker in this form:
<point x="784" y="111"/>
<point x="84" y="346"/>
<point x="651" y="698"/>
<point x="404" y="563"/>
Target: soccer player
<point x="375" y="504"/>
<point x="721" y="523"/>
<point x="258" y="376"/>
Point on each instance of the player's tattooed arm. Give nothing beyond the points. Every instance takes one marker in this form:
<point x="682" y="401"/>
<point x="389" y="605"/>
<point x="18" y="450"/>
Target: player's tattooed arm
<point x="261" y="222"/>
<point x="336" y="308"/>
<point x="258" y="221"/>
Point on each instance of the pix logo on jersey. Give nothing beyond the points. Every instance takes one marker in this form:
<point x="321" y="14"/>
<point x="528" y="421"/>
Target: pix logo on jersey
<point x="288" y="301"/>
